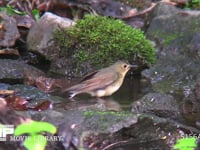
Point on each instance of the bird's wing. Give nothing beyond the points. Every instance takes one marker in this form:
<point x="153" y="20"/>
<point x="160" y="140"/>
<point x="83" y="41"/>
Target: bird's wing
<point x="98" y="80"/>
<point x="89" y="76"/>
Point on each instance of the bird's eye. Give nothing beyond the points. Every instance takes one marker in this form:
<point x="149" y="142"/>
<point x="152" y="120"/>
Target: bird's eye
<point x="125" y="66"/>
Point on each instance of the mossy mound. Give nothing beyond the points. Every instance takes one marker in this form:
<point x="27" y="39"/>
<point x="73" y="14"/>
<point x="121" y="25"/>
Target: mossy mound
<point x="99" y="41"/>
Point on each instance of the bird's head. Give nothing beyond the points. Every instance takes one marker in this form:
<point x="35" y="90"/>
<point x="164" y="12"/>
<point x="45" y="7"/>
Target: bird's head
<point x="123" y="67"/>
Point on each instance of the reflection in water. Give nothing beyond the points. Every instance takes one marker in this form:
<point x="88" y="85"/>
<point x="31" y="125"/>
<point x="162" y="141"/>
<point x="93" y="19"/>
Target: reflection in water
<point x="131" y="90"/>
<point x="92" y="103"/>
<point x="189" y="114"/>
<point x="110" y="104"/>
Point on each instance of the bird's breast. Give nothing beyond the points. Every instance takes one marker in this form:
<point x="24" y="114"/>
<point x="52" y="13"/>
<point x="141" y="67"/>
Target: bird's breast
<point x="110" y="89"/>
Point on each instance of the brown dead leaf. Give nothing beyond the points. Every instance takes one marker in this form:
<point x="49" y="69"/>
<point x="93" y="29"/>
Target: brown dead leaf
<point x="9" y="51"/>
<point x="17" y="102"/>
<point x="43" y="106"/>
<point x="6" y="92"/>
<point x="45" y="84"/>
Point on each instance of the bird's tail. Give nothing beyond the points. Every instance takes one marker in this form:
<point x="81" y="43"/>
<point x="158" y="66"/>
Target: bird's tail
<point x="71" y="94"/>
<point x="75" y="90"/>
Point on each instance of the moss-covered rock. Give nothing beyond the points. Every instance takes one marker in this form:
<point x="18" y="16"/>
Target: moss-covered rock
<point x="99" y="41"/>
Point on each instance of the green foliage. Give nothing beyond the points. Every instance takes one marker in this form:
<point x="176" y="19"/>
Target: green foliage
<point x="193" y="4"/>
<point x="9" y="10"/>
<point x="34" y="129"/>
<point x="36" y="14"/>
<point x="99" y="40"/>
<point x="186" y="144"/>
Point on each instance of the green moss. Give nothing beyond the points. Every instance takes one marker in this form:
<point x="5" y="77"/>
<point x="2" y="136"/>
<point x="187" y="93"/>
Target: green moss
<point x="166" y="38"/>
<point x="193" y="4"/>
<point x="104" y="113"/>
<point x="97" y="40"/>
<point x="164" y="86"/>
<point x="171" y="37"/>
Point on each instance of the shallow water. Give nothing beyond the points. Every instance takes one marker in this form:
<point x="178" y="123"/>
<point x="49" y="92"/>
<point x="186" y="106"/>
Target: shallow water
<point x="130" y="91"/>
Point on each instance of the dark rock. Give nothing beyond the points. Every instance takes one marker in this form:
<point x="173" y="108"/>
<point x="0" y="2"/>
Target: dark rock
<point x="12" y="70"/>
<point x="194" y="46"/>
<point x="150" y="129"/>
<point x="102" y="128"/>
<point x="9" y="32"/>
<point x="139" y="4"/>
<point x="24" y="21"/>
<point x="191" y="102"/>
<point x="162" y="105"/>
<point x="176" y="33"/>
<point x="8" y="116"/>
<point x="112" y="8"/>
<point x="197" y="88"/>
<point x="94" y="121"/>
<point x="177" y="38"/>
<point x="68" y="136"/>
<point x="33" y="94"/>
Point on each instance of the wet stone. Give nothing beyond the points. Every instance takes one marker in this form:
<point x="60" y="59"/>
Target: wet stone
<point x="12" y="70"/>
<point x="162" y="105"/>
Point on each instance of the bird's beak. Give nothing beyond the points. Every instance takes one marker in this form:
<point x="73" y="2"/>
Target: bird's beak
<point x="133" y="66"/>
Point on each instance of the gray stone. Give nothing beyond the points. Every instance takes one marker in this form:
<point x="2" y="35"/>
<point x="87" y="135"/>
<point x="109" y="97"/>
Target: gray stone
<point x="162" y="105"/>
<point x="40" y="36"/>
<point x="162" y="9"/>
<point x="177" y="37"/>
<point x="12" y="70"/>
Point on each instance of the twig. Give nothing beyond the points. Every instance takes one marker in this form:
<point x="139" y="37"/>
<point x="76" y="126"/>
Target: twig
<point x="109" y="146"/>
<point x="140" y="13"/>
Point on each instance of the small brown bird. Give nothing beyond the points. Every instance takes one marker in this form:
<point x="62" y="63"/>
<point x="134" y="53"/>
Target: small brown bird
<point x="103" y="82"/>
